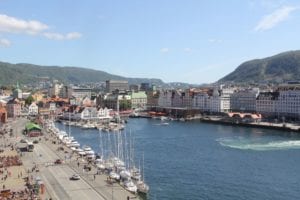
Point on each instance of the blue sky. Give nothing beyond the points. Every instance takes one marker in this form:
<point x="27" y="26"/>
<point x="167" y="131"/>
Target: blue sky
<point x="194" y="41"/>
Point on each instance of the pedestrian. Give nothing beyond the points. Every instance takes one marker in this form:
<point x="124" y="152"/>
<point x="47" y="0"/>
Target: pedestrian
<point x="78" y="164"/>
<point x="94" y="177"/>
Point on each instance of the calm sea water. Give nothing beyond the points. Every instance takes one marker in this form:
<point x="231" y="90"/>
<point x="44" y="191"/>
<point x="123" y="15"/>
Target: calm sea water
<point x="193" y="160"/>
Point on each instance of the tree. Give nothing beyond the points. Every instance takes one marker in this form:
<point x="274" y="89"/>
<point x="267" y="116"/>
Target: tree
<point x="125" y="104"/>
<point x="29" y="100"/>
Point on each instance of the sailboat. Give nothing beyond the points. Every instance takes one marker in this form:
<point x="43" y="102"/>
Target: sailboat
<point x="130" y="186"/>
<point x="70" y="141"/>
<point x="142" y="187"/>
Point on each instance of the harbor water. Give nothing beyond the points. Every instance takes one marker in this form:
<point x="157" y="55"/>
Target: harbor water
<point x="193" y="160"/>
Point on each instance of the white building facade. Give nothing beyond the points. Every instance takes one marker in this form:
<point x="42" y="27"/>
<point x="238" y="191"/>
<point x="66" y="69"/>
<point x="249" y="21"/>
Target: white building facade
<point x="33" y="109"/>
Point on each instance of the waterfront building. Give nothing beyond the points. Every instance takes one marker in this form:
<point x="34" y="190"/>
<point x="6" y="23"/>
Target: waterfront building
<point x="225" y="97"/>
<point x="33" y="109"/>
<point x="13" y="108"/>
<point x="266" y="103"/>
<point x="187" y="97"/>
<point x="87" y="113"/>
<point x="244" y="100"/>
<point x="152" y="98"/>
<point x="103" y="113"/>
<point x="207" y="100"/>
<point x="281" y="104"/>
<point x="138" y="100"/>
<point x="112" y="85"/>
<point x="117" y="101"/>
<point x="288" y="104"/>
<point x="177" y="98"/>
<point x="214" y="100"/>
<point x="200" y="101"/>
<point x="164" y="99"/>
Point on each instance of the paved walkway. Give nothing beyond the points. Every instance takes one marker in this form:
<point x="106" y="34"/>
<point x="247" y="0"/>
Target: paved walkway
<point x="39" y="164"/>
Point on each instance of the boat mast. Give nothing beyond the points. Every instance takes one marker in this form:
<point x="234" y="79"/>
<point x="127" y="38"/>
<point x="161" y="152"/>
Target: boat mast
<point x="69" y="122"/>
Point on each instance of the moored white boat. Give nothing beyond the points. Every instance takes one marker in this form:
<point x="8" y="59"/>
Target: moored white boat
<point x="125" y="174"/>
<point x="142" y="187"/>
<point x="130" y="186"/>
<point x="114" y="175"/>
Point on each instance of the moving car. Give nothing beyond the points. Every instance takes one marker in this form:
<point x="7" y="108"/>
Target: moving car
<point x="75" y="177"/>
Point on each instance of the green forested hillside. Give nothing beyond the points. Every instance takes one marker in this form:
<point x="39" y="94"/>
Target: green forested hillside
<point x="276" y="69"/>
<point x="28" y="73"/>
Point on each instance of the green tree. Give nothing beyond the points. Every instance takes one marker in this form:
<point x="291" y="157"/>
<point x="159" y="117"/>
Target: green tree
<point x="29" y="100"/>
<point x="125" y="104"/>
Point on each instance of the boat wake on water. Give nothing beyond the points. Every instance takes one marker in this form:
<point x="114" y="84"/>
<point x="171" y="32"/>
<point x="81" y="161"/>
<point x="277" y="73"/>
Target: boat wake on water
<point x="249" y="144"/>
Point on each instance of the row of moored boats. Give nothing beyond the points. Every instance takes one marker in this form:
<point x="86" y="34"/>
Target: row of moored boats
<point x="131" y="178"/>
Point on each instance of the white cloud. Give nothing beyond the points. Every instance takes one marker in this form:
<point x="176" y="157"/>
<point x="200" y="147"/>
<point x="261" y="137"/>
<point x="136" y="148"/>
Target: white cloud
<point x="5" y="42"/>
<point x="271" y="20"/>
<point x="15" y="25"/>
<point x="215" y="40"/>
<point x="164" y="50"/>
<point x="73" y="35"/>
<point x="32" y="27"/>
<point x="272" y="4"/>
<point x="187" y="49"/>
<point x="54" y="36"/>
<point x="59" y="36"/>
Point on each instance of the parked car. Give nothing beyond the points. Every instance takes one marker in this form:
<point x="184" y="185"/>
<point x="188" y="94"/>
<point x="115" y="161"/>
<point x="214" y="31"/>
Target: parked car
<point x="75" y="177"/>
<point x="23" y="141"/>
<point x="58" y="161"/>
<point x="35" y="141"/>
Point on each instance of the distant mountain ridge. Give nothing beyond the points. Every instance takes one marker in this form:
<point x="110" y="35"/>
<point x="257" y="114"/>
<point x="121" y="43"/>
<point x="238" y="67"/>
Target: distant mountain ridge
<point x="28" y="73"/>
<point x="275" y="69"/>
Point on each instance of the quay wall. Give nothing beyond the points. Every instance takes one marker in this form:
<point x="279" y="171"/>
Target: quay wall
<point x="255" y="125"/>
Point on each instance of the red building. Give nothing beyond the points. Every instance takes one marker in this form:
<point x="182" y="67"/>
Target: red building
<point x="13" y="108"/>
<point x="3" y="114"/>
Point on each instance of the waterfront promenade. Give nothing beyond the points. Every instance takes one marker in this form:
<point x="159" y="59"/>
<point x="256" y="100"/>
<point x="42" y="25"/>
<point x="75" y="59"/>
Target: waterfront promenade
<point x="39" y="165"/>
<point x="278" y="126"/>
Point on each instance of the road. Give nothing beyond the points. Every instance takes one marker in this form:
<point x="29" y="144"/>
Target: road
<point x="57" y="177"/>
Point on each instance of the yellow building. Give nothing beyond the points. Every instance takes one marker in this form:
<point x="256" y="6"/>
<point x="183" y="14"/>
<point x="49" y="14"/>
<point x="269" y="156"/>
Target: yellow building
<point x="38" y="96"/>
